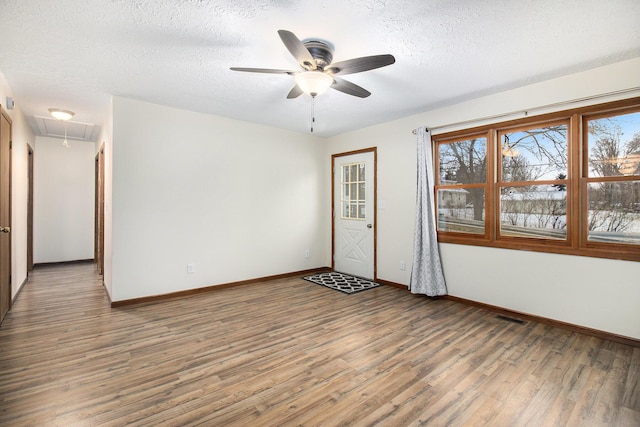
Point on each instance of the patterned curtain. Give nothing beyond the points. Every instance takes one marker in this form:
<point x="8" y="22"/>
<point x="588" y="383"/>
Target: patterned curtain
<point x="426" y="275"/>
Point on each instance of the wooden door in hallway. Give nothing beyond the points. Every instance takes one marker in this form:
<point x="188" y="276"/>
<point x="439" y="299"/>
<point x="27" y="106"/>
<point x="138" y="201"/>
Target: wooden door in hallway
<point x="99" y="212"/>
<point x="30" y="213"/>
<point x="5" y="213"/>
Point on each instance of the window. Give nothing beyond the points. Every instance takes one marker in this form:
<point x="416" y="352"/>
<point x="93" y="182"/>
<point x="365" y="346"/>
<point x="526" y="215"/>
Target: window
<point x="463" y="182"/>
<point x="566" y="182"/>
<point x="612" y="212"/>
<point x="532" y="181"/>
<point x="353" y="191"/>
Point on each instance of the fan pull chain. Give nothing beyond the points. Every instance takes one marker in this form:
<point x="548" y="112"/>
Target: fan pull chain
<point x="65" y="143"/>
<point x="313" y="112"/>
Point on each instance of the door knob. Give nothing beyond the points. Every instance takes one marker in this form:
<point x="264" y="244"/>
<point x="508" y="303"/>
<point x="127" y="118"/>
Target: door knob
<point x="369" y="225"/>
<point x="5" y="229"/>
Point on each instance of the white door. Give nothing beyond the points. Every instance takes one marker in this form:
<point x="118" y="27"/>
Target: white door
<point x="354" y="214"/>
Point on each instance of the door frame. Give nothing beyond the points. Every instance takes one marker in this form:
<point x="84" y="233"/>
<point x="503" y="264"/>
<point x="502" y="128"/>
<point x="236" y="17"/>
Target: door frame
<point x="30" y="154"/>
<point x="373" y="150"/>
<point x="5" y="299"/>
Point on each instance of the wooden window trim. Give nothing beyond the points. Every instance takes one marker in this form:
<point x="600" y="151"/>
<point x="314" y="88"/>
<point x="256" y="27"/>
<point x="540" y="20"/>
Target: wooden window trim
<point x="576" y="242"/>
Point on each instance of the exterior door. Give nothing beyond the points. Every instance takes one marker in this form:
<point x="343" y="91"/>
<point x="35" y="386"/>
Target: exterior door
<point x="5" y="214"/>
<point x="354" y="226"/>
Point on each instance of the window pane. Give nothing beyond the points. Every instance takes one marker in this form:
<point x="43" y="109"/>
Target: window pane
<point x="463" y="162"/>
<point x="345" y="174"/>
<point x="361" y="213"/>
<point x="361" y="191"/>
<point x="345" y="192"/>
<point x="461" y="210"/>
<point x="538" y="211"/>
<point x="614" y="212"/>
<point x="614" y="145"/>
<point x="353" y="211"/>
<point x="345" y="209"/>
<point x="534" y="154"/>
<point x="361" y="172"/>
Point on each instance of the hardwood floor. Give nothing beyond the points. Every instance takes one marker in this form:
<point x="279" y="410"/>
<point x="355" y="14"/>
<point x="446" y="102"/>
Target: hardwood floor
<point x="289" y="352"/>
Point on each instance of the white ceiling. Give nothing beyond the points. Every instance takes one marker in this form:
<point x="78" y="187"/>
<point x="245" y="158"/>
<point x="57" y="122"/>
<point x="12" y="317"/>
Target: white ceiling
<point x="75" y="54"/>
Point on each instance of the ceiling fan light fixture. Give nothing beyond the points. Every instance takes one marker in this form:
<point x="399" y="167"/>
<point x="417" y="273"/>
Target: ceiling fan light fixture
<point x="313" y="82"/>
<point x="60" y="114"/>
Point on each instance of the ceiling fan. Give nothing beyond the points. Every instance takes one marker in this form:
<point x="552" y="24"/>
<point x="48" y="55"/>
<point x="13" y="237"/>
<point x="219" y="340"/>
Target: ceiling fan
<point x="317" y="72"/>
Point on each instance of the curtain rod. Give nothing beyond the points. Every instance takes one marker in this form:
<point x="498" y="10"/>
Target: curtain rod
<point x="527" y="111"/>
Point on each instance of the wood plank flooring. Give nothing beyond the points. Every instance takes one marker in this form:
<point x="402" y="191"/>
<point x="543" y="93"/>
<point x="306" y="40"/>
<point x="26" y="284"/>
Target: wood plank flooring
<point x="289" y="352"/>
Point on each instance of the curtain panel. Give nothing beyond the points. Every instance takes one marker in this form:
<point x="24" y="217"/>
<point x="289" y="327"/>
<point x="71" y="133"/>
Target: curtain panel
<point x="427" y="276"/>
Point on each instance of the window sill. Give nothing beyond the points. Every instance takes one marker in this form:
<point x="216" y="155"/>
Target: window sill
<point x="632" y="254"/>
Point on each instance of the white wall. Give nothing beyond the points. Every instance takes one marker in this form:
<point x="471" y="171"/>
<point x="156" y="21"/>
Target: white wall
<point x="238" y="200"/>
<point x="596" y="293"/>
<point x="63" y="215"/>
<point x="21" y="136"/>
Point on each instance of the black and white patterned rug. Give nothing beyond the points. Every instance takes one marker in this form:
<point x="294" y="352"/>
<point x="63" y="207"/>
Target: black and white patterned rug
<point x="342" y="282"/>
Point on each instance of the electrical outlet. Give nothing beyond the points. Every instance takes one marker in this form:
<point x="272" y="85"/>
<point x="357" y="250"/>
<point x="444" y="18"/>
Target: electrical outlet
<point x="307" y="253"/>
<point x="403" y="265"/>
<point x="191" y="268"/>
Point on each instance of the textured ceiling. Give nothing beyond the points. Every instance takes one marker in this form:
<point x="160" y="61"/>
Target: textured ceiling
<point x="75" y="55"/>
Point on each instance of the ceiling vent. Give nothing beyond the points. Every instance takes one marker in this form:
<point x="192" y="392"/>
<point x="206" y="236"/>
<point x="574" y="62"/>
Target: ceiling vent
<point x="79" y="131"/>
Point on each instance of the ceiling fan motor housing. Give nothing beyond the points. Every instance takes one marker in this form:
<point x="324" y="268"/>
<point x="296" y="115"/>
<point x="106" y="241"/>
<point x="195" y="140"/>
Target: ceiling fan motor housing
<point x="317" y="72"/>
<point x="321" y="51"/>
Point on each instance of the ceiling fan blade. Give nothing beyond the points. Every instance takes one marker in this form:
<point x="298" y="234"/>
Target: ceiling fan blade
<point x="263" y="70"/>
<point x="295" y="92"/>
<point x="297" y="49"/>
<point x="358" y="65"/>
<point x="349" y="88"/>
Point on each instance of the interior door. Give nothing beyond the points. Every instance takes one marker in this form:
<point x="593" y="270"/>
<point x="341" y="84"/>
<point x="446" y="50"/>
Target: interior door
<point x="30" y="213"/>
<point x="99" y="212"/>
<point x="354" y="226"/>
<point x="5" y="214"/>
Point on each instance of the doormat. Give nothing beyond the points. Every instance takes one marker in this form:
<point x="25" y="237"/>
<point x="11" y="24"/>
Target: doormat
<point x="342" y="282"/>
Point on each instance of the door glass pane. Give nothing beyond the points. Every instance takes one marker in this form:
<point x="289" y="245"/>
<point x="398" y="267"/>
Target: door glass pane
<point x="463" y="162"/>
<point x="353" y="175"/>
<point x="614" y="212"/>
<point x="537" y="211"/>
<point x="614" y="145"/>
<point x="353" y="191"/>
<point x="534" y="154"/>
<point x="461" y="210"/>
